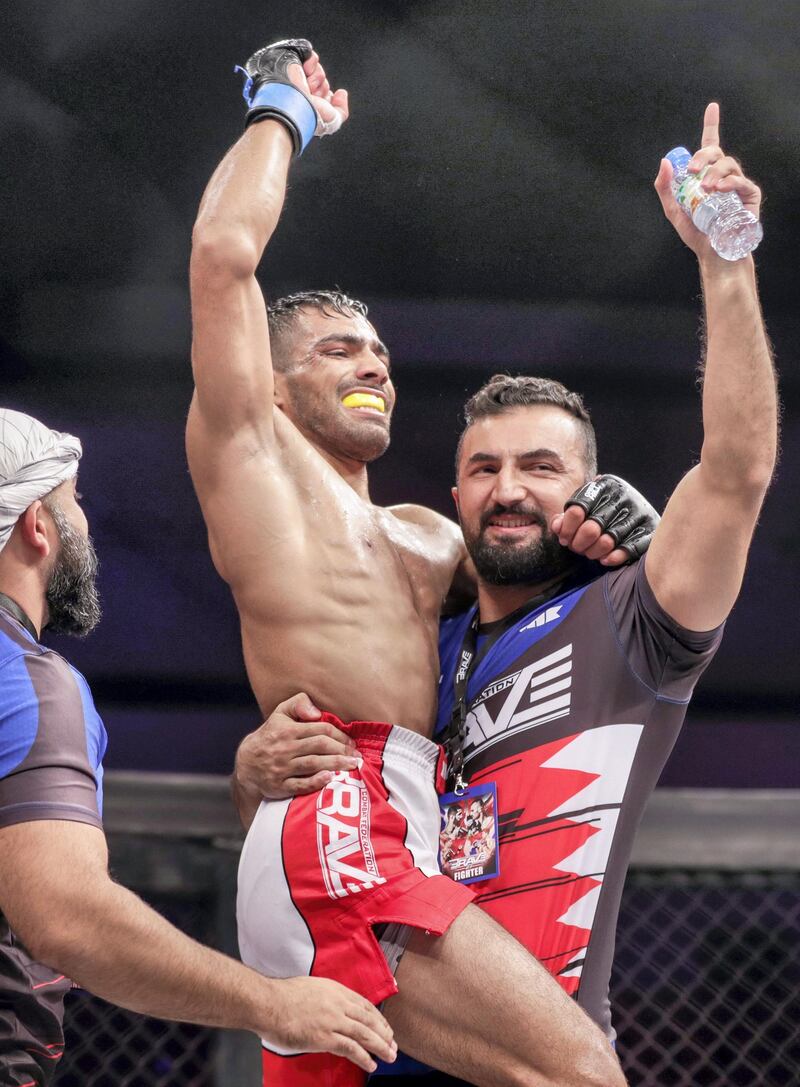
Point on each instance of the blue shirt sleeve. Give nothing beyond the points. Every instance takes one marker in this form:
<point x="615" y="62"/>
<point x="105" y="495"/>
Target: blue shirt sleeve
<point x="51" y="742"/>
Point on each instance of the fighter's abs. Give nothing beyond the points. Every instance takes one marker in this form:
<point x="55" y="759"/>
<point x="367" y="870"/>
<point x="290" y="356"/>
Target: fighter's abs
<point x="352" y="626"/>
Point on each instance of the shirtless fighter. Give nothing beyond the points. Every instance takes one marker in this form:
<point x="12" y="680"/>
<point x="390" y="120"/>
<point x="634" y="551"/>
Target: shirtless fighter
<point x="341" y="599"/>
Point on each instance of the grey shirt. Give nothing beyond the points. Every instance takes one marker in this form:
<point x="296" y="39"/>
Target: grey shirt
<point x="573" y="712"/>
<point x="52" y="742"/>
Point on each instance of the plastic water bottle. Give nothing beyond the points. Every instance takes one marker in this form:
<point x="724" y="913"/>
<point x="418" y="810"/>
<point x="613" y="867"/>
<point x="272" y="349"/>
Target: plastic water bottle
<point x="732" y="230"/>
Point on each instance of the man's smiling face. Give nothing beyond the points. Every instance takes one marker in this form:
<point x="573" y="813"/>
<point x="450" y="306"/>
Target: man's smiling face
<point x="515" y="472"/>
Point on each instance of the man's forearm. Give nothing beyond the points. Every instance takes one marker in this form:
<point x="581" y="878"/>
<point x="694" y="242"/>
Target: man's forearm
<point x="740" y="407"/>
<point x="113" y="944"/>
<point x="58" y="898"/>
<point x="243" y="200"/>
<point x="230" y="348"/>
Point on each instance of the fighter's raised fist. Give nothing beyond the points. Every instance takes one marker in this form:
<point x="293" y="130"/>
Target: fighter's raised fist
<point x="286" y="82"/>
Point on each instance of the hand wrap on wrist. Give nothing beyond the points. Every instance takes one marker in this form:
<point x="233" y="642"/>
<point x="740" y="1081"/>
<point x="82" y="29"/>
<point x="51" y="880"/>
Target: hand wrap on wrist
<point x="619" y="510"/>
<point x="270" y="93"/>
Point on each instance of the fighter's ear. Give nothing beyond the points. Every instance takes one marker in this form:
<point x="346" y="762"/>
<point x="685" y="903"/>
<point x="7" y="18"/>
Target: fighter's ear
<point x="35" y="528"/>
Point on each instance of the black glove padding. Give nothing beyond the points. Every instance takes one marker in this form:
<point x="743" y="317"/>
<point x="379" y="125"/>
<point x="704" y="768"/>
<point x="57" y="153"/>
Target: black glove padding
<point x="268" y="68"/>
<point x="619" y="510"/>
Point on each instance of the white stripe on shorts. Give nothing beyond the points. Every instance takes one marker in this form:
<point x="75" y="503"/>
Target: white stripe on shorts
<point x="409" y="771"/>
<point x="263" y="900"/>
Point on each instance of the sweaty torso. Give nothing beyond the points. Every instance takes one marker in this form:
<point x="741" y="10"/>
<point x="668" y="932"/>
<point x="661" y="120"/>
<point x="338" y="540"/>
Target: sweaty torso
<point x="337" y="597"/>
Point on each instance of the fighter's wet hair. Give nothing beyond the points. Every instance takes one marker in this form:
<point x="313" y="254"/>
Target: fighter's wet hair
<point x="503" y="393"/>
<point x="282" y="313"/>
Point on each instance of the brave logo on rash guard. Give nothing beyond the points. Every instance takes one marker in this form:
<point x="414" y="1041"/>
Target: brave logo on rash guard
<point x="539" y="692"/>
<point x="343" y="840"/>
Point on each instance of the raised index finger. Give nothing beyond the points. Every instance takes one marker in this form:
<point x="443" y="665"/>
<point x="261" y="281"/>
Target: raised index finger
<point x="710" y="136"/>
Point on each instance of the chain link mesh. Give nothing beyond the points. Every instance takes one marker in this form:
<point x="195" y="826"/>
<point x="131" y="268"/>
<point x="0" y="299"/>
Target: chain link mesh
<point x="705" y="992"/>
<point x="706" y="982"/>
<point x="109" y="1047"/>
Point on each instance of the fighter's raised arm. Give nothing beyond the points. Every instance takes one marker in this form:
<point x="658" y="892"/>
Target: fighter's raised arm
<point x="290" y="100"/>
<point x="696" y="561"/>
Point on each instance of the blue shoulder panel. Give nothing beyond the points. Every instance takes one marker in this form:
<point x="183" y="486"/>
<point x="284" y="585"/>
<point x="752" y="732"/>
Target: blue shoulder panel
<point x="19" y="714"/>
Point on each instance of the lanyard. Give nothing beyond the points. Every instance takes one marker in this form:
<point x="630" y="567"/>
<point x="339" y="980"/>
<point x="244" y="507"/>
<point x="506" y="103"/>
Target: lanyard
<point x="14" y="609"/>
<point x="469" y="659"/>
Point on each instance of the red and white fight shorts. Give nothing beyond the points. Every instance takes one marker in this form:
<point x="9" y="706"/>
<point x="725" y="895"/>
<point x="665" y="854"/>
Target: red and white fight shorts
<point x="318" y="873"/>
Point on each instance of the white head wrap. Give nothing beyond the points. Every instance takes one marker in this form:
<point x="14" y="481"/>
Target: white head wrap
<point x="33" y="460"/>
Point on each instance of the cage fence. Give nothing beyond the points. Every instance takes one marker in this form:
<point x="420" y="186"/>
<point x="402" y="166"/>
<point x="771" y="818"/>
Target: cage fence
<point x="705" y="989"/>
<point x="107" y="1046"/>
<point x="706" y="983"/>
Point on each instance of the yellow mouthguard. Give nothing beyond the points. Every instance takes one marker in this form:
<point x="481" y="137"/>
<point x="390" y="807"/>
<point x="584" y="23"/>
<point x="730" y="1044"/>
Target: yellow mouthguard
<point x="364" y="400"/>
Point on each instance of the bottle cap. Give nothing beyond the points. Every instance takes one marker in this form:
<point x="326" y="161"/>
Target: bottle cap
<point x="678" y="156"/>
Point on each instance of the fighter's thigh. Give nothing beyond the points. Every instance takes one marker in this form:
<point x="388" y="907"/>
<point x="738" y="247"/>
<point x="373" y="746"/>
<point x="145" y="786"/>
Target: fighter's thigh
<point x="476" y="1004"/>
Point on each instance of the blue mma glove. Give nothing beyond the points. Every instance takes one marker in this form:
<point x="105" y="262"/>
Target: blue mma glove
<point x="619" y="510"/>
<point x="270" y="93"/>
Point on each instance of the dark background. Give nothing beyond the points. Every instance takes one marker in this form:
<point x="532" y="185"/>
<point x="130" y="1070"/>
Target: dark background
<point x="490" y="199"/>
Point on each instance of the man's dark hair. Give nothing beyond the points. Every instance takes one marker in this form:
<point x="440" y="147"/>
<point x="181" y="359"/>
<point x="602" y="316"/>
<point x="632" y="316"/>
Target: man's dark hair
<point x="282" y="314"/>
<point x="502" y="393"/>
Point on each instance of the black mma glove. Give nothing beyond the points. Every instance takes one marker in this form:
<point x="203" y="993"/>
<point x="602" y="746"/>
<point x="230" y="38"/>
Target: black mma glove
<point x="619" y="510"/>
<point x="270" y="93"/>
